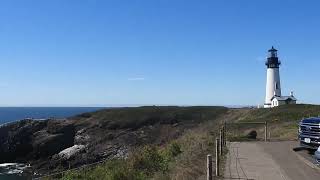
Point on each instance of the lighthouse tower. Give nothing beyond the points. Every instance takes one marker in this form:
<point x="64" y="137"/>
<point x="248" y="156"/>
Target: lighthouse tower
<point x="273" y="88"/>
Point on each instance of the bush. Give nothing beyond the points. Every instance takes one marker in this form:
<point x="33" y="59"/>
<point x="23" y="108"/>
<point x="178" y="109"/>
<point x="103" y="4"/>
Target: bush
<point x="119" y="170"/>
<point x="143" y="163"/>
<point x="149" y="160"/>
<point x="174" y="149"/>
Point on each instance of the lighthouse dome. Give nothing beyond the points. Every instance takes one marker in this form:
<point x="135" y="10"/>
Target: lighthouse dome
<point x="272" y="49"/>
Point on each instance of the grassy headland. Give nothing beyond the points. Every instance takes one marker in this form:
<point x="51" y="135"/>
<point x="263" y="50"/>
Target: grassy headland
<point x="184" y="136"/>
<point x="175" y="144"/>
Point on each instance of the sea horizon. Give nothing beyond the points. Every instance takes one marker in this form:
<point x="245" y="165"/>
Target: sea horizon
<point x="11" y="114"/>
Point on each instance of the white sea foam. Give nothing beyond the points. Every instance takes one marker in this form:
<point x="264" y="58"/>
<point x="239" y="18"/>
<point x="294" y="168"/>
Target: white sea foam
<point x="12" y="168"/>
<point x="7" y="164"/>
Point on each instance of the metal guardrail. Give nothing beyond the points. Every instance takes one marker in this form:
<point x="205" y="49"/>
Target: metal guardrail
<point x="246" y="122"/>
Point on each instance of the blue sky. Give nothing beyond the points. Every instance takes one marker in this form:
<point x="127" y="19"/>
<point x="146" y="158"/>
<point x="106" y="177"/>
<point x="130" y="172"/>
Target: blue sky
<point x="183" y="52"/>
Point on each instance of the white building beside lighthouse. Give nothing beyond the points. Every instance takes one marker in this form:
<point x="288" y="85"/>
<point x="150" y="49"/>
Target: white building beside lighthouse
<point x="273" y="86"/>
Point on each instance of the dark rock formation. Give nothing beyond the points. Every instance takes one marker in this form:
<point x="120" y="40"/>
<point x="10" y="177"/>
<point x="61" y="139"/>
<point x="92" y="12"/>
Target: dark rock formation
<point x="16" y="139"/>
<point x="29" y="140"/>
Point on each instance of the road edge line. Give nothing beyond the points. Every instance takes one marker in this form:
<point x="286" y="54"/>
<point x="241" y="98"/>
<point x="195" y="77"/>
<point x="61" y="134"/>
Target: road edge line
<point x="313" y="166"/>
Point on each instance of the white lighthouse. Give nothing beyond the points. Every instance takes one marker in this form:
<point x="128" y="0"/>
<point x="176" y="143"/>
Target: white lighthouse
<point x="273" y="87"/>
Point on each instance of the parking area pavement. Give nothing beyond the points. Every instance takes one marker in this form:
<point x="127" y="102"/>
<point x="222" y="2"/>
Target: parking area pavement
<point x="269" y="161"/>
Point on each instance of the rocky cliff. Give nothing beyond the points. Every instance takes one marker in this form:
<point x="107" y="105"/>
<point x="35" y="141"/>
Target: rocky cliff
<point x="55" y="145"/>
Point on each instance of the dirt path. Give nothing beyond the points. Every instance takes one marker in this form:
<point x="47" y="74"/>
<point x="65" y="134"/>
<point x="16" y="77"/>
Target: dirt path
<point x="267" y="161"/>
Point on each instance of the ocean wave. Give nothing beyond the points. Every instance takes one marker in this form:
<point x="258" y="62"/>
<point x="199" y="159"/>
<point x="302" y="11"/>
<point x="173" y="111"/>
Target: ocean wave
<point x="13" y="168"/>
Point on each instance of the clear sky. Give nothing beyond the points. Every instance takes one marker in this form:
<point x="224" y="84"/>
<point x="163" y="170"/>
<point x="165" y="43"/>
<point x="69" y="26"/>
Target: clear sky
<point x="183" y="52"/>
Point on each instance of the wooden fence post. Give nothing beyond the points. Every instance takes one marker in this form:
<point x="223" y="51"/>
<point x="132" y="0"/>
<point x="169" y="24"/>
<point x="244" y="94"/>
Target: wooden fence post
<point x="220" y="143"/>
<point x="222" y="136"/>
<point x="209" y="167"/>
<point x="217" y="157"/>
<point x="265" y="131"/>
<point x="269" y="136"/>
<point x="225" y="133"/>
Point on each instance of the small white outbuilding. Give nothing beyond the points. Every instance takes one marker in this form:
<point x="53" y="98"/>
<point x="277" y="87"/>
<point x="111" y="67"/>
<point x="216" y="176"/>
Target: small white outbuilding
<point x="282" y="100"/>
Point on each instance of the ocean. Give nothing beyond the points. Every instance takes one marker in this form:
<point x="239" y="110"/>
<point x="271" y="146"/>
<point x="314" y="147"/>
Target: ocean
<point x="10" y="170"/>
<point x="9" y="114"/>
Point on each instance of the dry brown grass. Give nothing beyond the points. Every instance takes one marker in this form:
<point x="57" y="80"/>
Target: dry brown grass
<point x="196" y="144"/>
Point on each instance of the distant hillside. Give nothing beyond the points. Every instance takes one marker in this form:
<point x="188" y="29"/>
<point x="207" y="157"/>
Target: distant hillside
<point x="286" y="113"/>
<point x="136" y="117"/>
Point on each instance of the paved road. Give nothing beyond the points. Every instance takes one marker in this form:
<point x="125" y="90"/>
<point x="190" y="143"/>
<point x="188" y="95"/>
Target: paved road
<point x="269" y="161"/>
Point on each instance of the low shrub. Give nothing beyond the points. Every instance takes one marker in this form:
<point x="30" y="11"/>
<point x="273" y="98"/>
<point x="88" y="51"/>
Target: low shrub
<point x="141" y="164"/>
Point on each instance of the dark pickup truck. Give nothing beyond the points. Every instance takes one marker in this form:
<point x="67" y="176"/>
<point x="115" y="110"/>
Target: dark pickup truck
<point x="309" y="132"/>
